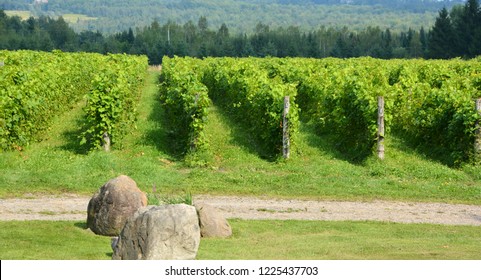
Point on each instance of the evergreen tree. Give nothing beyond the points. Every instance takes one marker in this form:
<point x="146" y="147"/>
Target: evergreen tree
<point x="415" y="47"/>
<point x="423" y="40"/>
<point x="202" y="24"/>
<point x="474" y="14"/>
<point x="442" y="37"/>
<point x="467" y="26"/>
<point x="386" y="44"/>
<point x="62" y="35"/>
<point x="223" y="46"/>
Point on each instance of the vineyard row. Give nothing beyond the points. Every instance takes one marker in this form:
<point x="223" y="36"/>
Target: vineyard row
<point x="428" y="103"/>
<point x="36" y="86"/>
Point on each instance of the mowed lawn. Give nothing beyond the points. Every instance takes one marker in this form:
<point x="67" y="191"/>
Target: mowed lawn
<point x="261" y="240"/>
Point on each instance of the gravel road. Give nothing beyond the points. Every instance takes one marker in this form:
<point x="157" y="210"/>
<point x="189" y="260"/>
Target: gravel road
<point x="74" y="208"/>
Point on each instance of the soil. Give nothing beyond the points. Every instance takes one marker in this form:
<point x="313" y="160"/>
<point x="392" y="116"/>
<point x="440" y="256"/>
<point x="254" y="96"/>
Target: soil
<point x="74" y="208"/>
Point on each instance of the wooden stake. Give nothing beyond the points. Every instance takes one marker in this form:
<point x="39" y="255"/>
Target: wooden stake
<point x="193" y="144"/>
<point x="106" y="140"/>
<point x="285" y="129"/>
<point x="380" y="126"/>
<point x="477" y="141"/>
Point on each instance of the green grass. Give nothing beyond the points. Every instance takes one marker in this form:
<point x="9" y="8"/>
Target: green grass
<point x="22" y="14"/>
<point x="316" y="170"/>
<point x="290" y="240"/>
<point x="70" y="18"/>
<point x="343" y="240"/>
<point x="42" y="240"/>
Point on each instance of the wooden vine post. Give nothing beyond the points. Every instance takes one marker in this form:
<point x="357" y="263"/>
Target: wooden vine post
<point x="285" y="129"/>
<point x="477" y="141"/>
<point x="106" y="142"/>
<point x="193" y="144"/>
<point x="380" y="127"/>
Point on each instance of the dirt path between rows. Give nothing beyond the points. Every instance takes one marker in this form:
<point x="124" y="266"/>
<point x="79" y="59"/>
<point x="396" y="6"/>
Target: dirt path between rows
<point x="74" y="208"/>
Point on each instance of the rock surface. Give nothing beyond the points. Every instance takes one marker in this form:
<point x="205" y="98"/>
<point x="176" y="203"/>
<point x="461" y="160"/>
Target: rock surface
<point x="113" y="204"/>
<point x="212" y="222"/>
<point x="167" y="232"/>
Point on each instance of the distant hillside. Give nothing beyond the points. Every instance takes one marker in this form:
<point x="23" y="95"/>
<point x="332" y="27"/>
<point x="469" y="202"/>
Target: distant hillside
<point x="241" y="15"/>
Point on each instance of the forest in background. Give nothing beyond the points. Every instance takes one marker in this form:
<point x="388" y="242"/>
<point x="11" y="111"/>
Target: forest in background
<point x="455" y="33"/>
<point x="241" y="16"/>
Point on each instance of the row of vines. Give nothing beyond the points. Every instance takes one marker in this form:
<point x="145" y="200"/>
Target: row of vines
<point x="112" y="99"/>
<point x="427" y="103"/>
<point x="36" y="86"/>
<point x="430" y="104"/>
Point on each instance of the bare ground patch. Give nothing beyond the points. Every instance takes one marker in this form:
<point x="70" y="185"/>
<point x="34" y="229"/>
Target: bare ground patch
<point x="75" y="208"/>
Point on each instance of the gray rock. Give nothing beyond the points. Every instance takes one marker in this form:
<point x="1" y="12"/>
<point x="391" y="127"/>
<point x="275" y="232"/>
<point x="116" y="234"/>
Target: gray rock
<point x="167" y="232"/>
<point x="113" y="204"/>
<point x="113" y="242"/>
<point x="212" y="222"/>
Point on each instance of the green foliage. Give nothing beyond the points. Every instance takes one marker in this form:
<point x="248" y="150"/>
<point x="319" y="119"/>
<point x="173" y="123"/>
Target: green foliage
<point x="186" y="102"/>
<point x="456" y="34"/>
<point x="34" y="87"/>
<point x="429" y="102"/>
<point x="54" y="166"/>
<point x="197" y="38"/>
<point x="349" y="110"/>
<point x="435" y="106"/>
<point x="111" y="103"/>
<point x="243" y="15"/>
<point x="256" y="100"/>
<point x="340" y="97"/>
<point x="245" y="91"/>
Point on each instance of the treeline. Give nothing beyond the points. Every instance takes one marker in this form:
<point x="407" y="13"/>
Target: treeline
<point x="461" y="38"/>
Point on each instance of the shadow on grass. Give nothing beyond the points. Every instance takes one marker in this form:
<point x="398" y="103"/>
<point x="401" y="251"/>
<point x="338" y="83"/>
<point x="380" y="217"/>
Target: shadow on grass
<point x="242" y="137"/>
<point x="161" y="137"/>
<point x="328" y="144"/>
<point x="72" y="140"/>
<point x="433" y="152"/>
<point x="81" y="225"/>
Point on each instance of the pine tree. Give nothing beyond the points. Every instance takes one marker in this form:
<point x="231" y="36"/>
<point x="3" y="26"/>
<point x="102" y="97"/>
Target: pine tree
<point x="442" y="37"/>
<point x="387" y="44"/>
<point x="467" y="29"/>
<point x="474" y="47"/>
<point x="424" y="41"/>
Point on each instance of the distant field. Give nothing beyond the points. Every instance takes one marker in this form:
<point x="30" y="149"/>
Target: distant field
<point x="70" y="18"/>
<point x="74" y="18"/>
<point x="22" y="14"/>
